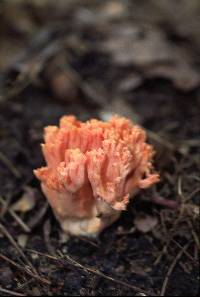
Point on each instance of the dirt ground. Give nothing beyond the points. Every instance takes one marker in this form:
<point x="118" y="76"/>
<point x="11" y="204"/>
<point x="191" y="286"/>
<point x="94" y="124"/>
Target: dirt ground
<point x="96" y="59"/>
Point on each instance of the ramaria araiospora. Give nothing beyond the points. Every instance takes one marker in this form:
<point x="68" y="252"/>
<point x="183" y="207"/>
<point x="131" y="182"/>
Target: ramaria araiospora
<point x="92" y="171"/>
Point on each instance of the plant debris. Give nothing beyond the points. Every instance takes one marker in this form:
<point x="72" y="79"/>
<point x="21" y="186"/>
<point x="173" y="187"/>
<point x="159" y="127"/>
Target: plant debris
<point x="26" y="202"/>
<point x="93" y="59"/>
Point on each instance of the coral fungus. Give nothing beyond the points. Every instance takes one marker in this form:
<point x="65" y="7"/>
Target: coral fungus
<point x="92" y="171"/>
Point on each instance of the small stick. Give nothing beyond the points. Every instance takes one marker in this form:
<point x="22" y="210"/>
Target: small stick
<point x="37" y="277"/>
<point x="192" y="194"/>
<point x="101" y="274"/>
<point x="160" y="139"/>
<point x="16" y="217"/>
<point x="9" y="292"/>
<point x="9" y="165"/>
<point x="13" y="242"/>
<point x="171" y="268"/>
<point x="23" y="285"/>
<point x="88" y="241"/>
<point x="36" y="219"/>
<point x="91" y="270"/>
<point x="194" y="234"/>
<point x="156" y="137"/>
<point x="4" y="209"/>
<point x="185" y="252"/>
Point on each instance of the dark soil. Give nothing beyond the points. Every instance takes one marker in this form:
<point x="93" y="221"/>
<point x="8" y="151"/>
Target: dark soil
<point x="80" y="78"/>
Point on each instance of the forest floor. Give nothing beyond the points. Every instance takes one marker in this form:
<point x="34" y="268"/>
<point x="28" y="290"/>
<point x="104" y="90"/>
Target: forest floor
<point x="95" y="60"/>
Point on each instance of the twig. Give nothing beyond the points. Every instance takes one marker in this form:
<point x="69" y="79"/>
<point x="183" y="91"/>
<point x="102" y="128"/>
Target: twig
<point x="196" y="254"/>
<point x="13" y="242"/>
<point x="5" y="207"/>
<point x="88" y="241"/>
<point x="156" y="137"/>
<point x="24" y="269"/>
<point x="179" y="190"/>
<point x="101" y="274"/>
<point x="9" y="165"/>
<point x="192" y="194"/>
<point x="16" y="217"/>
<point x="9" y="292"/>
<point x="185" y="252"/>
<point x="23" y="285"/>
<point x="171" y="268"/>
<point x="195" y="236"/>
<point x="191" y="142"/>
<point x="167" y="244"/>
<point x="91" y="270"/>
<point x="164" y="251"/>
<point x="159" y="139"/>
<point x="36" y="219"/>
<point x="184" y="267"/>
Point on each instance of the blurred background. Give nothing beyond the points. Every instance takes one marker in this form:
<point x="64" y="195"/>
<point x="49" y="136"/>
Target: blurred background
<point x="139" y="59"/>
<point x="103" y="41"/>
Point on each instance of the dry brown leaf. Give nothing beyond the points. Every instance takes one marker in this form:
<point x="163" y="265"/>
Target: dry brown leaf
<point x="132" y="44"/>
<point x="149" y="49"/>
<point x="183" y="75"/>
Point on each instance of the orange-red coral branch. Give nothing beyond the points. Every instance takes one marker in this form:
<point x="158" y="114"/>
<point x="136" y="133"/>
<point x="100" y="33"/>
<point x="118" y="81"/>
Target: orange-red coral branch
<point x="93" y="169"/>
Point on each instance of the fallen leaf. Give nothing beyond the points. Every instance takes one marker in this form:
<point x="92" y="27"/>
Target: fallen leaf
<point x="183" y="75"/>
<point x="6" y="275"/>
<point x="132" y="44"/>
<point x="152" y="53"/>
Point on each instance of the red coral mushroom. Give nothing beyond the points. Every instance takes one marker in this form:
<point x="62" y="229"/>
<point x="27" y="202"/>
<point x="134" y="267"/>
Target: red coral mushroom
<point x="92" y="171"/>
